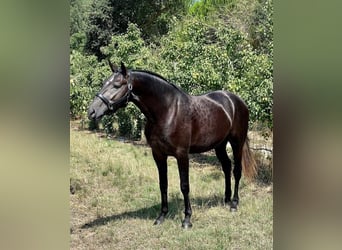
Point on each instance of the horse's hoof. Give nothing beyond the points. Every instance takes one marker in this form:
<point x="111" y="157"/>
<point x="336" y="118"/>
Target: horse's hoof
<point x="233" y="209"/>
<point x="233" y="206"/>
<point x="159" y="221"/>
<point x="186" y="225"/>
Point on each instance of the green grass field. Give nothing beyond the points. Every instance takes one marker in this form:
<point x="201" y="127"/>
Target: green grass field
<point x="115" y="199"/>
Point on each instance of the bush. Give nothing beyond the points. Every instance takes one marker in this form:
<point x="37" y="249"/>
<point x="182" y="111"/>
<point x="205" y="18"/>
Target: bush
<point x="87" y="75"/>
<point x="81" y="85"/>
<point x="198" y="54"/>
<point x="207" y="58"/>
<point x="129" y="48"/>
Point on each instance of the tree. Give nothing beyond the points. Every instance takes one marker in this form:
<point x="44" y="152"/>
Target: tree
<point x="231" y="48"/>
<point x="76" y="17"/>
<point x="111" y="17"/>
<point x="262" y="28"/>
<point x="100" y="26"/>
<point x="78" y="24"/>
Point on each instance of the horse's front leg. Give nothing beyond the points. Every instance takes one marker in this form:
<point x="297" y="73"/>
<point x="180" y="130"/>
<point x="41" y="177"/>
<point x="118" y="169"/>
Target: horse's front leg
<point x="161" y="161"/>
<point x="183" y="167"/>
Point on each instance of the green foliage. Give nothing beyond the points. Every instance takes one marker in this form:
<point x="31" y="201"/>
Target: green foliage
<point x="129" y="48"/>
<point x="207" y="58"/>
<point x="202" y="8"/>
<point x="77" y="17"/>
<point x="256" y="87"/>
<point x="78" y="24"/>
<point x="107" y="122"/>
<point x="201" y="61"/>
<point x="109" y="17"/>
<point x="125" y="123"/>
<point x="86" y="78"/>
<point x="77" y="41"/>
<point x="99" y="29"/>
<point x="226" y="50"/>
<point x="262" y="28"/>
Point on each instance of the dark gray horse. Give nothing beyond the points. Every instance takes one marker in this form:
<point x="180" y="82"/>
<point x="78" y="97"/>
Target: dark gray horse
<point x="179" y="124"/>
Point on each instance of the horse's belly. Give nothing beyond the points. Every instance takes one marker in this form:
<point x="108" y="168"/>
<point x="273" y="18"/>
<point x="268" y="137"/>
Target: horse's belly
<point x="209" y="131"/>
<point x="208" y="137"/>
<point x="201" y="149"/>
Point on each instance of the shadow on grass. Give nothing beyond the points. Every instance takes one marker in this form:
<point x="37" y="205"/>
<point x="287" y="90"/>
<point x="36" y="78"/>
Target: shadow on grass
<point x="176" y="207"/>
<point x="149" y="213"/>
<point x="202" y="160"/>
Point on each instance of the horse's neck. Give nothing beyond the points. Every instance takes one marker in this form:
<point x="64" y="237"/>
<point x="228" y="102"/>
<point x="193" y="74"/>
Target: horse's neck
<point x="154" y="98"/>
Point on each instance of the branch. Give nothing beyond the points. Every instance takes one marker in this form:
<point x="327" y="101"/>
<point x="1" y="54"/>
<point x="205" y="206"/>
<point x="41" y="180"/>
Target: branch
<point x="265" y="149"/>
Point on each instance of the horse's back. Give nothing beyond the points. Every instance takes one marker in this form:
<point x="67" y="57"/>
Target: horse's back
<point x="236" y="108"/>
<point x="229" y="101"/>
<point x="212" y="119"/>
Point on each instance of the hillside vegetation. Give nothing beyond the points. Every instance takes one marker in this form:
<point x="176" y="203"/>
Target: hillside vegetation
<point x="202" y="46"/>
<point x="115" y="199"/>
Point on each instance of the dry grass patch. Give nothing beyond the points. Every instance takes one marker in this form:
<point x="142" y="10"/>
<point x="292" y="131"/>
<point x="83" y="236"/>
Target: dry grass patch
<point x="115" y="199"/>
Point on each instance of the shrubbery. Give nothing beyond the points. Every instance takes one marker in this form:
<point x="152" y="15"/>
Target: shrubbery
<point x="198" y="54"/>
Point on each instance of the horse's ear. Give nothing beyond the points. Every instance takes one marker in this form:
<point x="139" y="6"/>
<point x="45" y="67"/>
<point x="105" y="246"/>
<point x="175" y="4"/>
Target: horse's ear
<point x="113" y="67"/>
<point x="123" y="69"/>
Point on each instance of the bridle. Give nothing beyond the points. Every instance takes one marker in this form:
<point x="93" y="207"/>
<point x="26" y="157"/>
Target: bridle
<point x="123" y="100"/>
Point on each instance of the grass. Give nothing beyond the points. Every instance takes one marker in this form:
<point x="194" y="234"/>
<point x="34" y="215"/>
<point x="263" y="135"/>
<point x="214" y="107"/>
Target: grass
<point x="115" y="199"/>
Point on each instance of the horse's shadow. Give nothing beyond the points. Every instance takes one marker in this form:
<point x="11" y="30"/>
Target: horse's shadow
<point x="176" y="207"/>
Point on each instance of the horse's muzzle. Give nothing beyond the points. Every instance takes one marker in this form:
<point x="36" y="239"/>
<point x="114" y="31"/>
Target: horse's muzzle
<point x="91" y="114"/>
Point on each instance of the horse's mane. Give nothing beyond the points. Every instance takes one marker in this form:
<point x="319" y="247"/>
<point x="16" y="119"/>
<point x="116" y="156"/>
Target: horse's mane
<point x="158" y="76"/>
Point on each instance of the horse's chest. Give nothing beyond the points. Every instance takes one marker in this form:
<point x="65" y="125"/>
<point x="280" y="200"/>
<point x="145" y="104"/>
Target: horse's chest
<point x="164" y="140"/>
<point x="159" y="142"/>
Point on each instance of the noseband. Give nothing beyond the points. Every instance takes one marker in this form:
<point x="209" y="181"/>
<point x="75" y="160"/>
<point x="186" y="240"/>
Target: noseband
<point x="110" y="104"/>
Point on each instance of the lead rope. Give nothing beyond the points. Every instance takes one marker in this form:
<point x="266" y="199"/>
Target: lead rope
<point x="129" y="92"/>
<point x="130" y="88"/>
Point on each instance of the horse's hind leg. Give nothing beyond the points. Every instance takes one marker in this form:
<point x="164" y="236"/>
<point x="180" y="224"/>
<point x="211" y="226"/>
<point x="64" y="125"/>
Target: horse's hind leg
<point x="222" y="155"/>
<point x="183" y="167"/>
<point x="237" y="146"/>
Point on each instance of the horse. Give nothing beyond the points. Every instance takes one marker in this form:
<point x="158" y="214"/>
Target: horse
<point x="178" y="124"/>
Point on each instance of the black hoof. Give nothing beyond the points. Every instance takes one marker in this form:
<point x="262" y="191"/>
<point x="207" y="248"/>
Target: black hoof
<point x="233" y="206"/>
<point x="159" y="220"/>
<point x="186" y="224"/>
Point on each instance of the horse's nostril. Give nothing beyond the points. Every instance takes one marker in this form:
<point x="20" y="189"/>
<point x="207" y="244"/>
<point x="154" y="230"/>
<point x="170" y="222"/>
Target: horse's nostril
<point x="91" y="114"/>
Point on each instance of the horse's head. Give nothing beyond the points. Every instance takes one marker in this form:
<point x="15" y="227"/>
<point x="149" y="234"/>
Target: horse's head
<point x="114" y="94"/>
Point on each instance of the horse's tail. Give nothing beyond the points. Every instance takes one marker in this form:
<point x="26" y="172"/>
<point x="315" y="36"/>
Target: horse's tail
<point x="249" y="165"/>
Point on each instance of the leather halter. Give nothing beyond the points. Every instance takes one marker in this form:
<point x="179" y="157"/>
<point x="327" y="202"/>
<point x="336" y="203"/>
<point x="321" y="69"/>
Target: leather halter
<point x="110" y="104"/>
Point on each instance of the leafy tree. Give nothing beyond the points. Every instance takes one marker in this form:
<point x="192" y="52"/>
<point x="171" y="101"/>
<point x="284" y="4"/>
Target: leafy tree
<point x="111" y="17"/>
<point x="231" y="48"/>
<point x="206" y="58"/>
<point x="262" y="28"/>
<point x="77" y="21"/>
<point x="86" y="78"/>
<point x="131" y="49"/>
<point x="100" y="25"/>
<point x="77" y="41"/>
<point x="78" y="24"/>
<point x="202" y="8"/>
